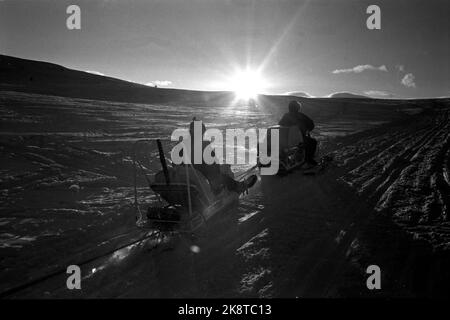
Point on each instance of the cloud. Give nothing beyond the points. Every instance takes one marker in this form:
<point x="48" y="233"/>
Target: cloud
<point x="408" y="80"/>
<point x="95" y="72"/>
<point x="298" y="94"/>
<point x="378" y="93"/>
<point x="345" y="94"/>
<point x="159" y="83"/>
<point x="361" y="68"/>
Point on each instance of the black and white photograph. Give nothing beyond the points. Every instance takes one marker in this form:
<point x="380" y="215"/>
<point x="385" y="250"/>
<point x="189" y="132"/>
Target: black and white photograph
<point x="224" y="149"/>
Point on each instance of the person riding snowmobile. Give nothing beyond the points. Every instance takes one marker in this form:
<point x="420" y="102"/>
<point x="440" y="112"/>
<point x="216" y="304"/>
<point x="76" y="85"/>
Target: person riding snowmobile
<point x="296" y="118"/>
<point x="213" y="171"/>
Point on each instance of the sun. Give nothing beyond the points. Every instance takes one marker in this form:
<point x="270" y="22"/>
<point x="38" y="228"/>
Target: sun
<point x="247" y="84"/>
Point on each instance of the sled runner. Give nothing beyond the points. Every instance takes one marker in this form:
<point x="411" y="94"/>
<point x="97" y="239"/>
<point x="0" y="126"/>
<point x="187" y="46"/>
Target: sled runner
<point x="323" y="163"/>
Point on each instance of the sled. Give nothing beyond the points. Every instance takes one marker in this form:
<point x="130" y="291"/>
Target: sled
<point x="187" y="199"/>
<point x="291" y="149"/>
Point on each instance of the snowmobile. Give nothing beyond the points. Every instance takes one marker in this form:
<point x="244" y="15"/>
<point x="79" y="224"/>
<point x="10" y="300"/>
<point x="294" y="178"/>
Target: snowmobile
<point x="189" y="198"/>
<point x="291" y="148"/>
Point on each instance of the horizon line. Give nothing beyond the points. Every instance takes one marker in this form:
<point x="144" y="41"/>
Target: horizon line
<point x="231" y="92"/>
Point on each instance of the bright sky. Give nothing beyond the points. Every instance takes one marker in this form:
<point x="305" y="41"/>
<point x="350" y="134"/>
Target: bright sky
<point x="318" y="47"/>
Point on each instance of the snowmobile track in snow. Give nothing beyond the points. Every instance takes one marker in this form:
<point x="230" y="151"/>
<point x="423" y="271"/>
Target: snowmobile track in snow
<point x="409" y="178"/>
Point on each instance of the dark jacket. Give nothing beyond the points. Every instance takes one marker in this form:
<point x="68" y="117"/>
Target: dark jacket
<point x="305" y="123"/>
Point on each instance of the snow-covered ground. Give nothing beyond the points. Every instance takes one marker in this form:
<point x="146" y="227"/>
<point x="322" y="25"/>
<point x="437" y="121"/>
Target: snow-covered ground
<point x="66" y="189"/>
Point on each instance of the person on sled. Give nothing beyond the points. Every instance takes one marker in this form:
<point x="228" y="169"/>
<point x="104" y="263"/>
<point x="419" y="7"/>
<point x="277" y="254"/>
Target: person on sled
<point x="296" y="118"/>
<point x="212" y="171"/>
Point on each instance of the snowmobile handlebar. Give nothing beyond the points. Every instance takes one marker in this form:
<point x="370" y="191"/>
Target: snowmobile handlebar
<point x="162" y="158"/>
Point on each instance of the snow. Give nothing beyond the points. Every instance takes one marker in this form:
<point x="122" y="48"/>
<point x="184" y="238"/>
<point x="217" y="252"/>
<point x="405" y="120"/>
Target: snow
<point x="67" y="191"/>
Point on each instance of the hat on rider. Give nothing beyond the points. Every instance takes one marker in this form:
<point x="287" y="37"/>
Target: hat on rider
<point x="294" y="106"/>
<point x="192" y="124"/>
